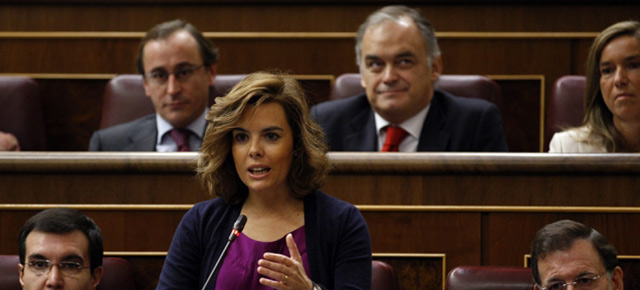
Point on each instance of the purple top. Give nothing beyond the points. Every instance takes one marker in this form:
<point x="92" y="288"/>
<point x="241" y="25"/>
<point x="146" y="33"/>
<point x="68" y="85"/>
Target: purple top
<point x="239" y="269"/>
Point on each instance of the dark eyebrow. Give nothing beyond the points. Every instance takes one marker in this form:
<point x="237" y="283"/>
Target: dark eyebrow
<point x="177" y="66"/>
<point x="405" y="54"/>
<point x="556" y="279"/>
<point x="37" y="256"/>
<point x="185" y="65"/>
<point x="158" y="69"/>
<point x="72" y="257"/>
<point x="553" y="279"/>
<point x="371" y="57"/>
<point x="632" y="57"/>
<point x="239" y="129"/>
<point x="272" y="128"/>
<point x="585" y="273"/>
<point x="626" y="59"/>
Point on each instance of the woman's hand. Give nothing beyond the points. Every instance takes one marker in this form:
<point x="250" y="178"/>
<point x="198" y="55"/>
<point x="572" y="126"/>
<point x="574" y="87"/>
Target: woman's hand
<point x="285" y="272"/>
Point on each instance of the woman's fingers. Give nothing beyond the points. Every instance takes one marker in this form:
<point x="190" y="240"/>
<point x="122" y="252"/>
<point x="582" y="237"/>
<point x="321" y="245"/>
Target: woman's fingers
<point x="284" y="272"/>
<point x="293" y="248"/>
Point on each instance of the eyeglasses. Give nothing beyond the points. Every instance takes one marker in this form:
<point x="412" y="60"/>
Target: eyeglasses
<point x="67" y="268"/>
<point x="585" y="282"/>
<point x="160" y="77"/>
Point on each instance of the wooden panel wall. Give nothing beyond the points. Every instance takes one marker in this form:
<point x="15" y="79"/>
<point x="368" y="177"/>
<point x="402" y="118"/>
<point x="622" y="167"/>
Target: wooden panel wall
<point x="304" y="15"/>
<point x="546" y="54"/>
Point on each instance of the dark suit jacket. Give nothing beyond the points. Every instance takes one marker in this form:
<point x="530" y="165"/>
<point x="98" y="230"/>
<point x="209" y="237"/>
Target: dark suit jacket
<point x="452" y="124"/>
<point x="137" y="135"/>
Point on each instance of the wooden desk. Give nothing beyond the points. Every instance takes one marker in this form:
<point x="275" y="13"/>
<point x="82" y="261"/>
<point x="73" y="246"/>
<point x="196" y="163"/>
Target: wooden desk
<point x="501" y="179"/>
<point x="481" y="209"/>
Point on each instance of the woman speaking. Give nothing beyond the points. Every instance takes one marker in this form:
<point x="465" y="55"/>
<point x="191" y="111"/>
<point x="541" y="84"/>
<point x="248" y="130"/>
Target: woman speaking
<point x="265" y="159"/>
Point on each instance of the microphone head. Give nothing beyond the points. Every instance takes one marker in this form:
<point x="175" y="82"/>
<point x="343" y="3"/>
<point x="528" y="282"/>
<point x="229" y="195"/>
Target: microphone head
<point x="239" y="224"/>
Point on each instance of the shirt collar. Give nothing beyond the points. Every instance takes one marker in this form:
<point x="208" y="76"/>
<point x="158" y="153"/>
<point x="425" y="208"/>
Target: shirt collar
<point x="413" y="125"/>
<point x="196" y="127"/>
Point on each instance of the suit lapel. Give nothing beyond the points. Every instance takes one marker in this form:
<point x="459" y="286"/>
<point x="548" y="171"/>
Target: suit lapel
<point x="432" y="137"/>
<point x="362" y="135"/>
<point x="144" y="137"/>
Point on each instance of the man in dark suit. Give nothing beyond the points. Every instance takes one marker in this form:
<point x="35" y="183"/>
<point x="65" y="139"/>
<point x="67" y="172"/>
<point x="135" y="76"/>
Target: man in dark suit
<point x="400" y="62"/>
<point x="179" y="65"/>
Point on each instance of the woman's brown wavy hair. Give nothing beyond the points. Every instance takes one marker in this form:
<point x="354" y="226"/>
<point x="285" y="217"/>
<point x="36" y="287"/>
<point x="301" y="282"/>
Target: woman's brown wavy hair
<point x="309" y="163"/>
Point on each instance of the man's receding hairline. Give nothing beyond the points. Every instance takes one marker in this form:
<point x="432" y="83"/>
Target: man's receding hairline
<point x="166" y="39"/>
<point x="544" y="256"/>
<point x="172" y="34"/>
<point x="403" y="20"/>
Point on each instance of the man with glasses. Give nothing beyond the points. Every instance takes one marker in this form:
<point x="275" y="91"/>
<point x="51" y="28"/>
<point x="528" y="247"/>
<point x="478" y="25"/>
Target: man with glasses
<point x="567" y="253"/>
<point x="179" y="65"/>
<point x="60" y="249"/>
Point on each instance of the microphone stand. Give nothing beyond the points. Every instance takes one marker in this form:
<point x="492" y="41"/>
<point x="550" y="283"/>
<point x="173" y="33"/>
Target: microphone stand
<point x="238" y="226"/>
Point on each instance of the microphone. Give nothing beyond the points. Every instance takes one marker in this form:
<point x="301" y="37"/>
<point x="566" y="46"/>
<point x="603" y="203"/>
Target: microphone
<point x="238" y="226"/>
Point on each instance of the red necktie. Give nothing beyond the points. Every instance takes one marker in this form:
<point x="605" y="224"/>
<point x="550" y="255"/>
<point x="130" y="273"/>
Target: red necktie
<point x="181" y="137"/>
<point x="393" y="139"/>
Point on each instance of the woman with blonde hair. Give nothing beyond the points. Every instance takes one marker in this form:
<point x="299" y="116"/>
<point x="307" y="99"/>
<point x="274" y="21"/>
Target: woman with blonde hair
<point x="265" y="158"/>
<point x="612" y="96"/>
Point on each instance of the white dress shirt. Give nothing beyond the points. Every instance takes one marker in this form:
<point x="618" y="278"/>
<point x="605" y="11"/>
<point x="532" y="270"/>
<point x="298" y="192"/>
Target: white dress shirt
<point x="413" y="126"/>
